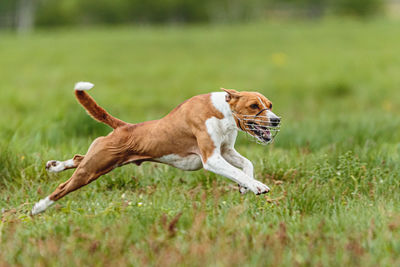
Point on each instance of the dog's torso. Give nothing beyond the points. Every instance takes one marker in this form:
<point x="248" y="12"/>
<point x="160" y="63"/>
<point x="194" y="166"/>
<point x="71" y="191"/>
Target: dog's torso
<point x="173" y="139"/>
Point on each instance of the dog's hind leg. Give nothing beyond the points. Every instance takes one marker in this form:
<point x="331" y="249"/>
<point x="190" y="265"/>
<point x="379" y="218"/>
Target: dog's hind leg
<point x="59" y="166"/>
<point x="100" y="159"/>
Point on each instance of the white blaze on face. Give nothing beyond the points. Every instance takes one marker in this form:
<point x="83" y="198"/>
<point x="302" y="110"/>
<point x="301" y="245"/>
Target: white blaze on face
<point x="271" y="115"/>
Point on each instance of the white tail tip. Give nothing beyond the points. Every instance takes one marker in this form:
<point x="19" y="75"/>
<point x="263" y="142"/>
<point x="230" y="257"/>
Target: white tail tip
<point x="80" y="86"/>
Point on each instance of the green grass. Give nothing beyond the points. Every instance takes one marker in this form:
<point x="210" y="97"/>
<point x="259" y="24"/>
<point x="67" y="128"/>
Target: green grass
<point x="333" y="170"/>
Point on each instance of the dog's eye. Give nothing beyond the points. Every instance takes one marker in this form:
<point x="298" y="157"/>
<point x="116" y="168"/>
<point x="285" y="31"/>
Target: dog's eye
<point x="254" y="106"/>
<point x="270" y="106"/>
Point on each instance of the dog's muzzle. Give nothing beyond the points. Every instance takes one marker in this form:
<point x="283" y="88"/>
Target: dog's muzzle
<point x="263" y="128"/>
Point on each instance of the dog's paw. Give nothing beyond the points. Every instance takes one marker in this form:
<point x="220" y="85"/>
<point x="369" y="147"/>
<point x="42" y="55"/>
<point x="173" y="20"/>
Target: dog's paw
<point x="257" y="187"/>
<point x="36" y="209"/>
<point x="54" y="166"/>
<point x="41" y="206"/>
<point x="242" y="189"/>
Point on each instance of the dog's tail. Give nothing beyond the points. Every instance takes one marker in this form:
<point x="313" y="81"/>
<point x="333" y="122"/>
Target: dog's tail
<point x="94" y="110"/>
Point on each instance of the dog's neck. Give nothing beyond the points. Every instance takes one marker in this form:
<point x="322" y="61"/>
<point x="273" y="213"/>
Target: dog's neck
<point x="219" y="101"/>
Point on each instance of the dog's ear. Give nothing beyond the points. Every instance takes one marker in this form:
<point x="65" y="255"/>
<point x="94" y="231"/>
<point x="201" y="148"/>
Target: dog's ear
<point x="231" y="94"/>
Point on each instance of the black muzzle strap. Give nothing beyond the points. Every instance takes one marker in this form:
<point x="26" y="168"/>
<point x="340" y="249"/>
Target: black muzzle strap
<point x="240" y="125"/>
<point x="261" y="111"/>
<point x="238" y="121"/>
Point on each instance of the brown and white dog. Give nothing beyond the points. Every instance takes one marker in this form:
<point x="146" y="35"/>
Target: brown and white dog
<point x="200" y="132"/>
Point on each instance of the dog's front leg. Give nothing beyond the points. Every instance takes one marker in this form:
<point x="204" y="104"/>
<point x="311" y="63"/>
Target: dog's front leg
<point x="217" y="164"/>
<point x="237" y="160"/>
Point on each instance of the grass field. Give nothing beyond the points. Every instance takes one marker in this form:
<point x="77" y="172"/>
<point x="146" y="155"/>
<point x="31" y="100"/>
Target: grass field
<point x="333" y="170"/>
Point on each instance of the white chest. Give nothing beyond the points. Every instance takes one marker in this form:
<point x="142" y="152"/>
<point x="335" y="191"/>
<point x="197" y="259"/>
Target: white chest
<point x="189" y="163"/>
<point x="222" y="131"/>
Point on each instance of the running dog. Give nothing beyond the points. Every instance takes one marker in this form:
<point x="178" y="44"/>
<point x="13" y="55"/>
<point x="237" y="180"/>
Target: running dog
<point x="200" y="132"/>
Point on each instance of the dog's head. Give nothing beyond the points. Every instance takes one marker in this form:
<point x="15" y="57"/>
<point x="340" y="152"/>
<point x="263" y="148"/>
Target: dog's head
<point x="253" y="113"/>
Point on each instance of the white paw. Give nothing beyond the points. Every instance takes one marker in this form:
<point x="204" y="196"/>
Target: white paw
<point x="257" y="187"/>
<point x="243" y="190"/>
<point x="55" y="166"/>
<point x="41" y="206"/>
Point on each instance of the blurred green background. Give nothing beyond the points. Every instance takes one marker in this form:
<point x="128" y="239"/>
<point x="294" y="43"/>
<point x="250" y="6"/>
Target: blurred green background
<point x="331" y="68"/>
<point x="27" y="14"/>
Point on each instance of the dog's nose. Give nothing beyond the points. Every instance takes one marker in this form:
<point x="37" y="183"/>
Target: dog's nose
<point x="275" y="121"/>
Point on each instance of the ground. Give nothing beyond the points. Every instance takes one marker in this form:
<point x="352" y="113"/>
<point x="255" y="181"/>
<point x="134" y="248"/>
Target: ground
<point x="333" y="170"/>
